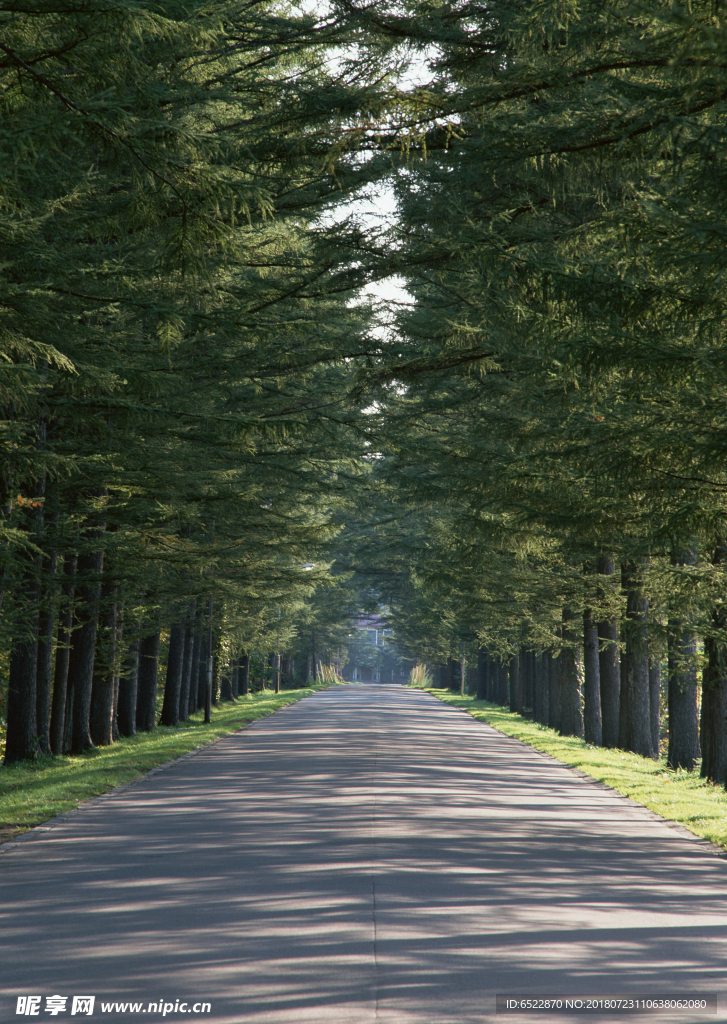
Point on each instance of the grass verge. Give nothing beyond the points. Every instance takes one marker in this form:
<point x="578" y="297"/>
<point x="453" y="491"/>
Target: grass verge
<point x="32" y="792"/>
<point x="679" y="796"/>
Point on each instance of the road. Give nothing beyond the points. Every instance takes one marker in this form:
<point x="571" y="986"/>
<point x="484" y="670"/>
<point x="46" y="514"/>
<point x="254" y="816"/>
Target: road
<point x="365" y="856"/>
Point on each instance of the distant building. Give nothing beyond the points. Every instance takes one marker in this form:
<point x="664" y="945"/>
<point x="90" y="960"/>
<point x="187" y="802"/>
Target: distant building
<point x="372" y="657"/>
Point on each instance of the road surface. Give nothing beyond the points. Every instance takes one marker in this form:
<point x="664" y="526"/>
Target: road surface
<point x="365" y="856"/>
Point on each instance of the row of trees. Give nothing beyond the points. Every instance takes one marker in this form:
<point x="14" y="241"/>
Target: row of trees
<point x="551" y="403"/>
<point x="179" y="344"/>
<point x="527" y="456"/>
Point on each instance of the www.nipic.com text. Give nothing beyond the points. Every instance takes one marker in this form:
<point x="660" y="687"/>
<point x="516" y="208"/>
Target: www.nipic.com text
<point x="30" y="1006"/>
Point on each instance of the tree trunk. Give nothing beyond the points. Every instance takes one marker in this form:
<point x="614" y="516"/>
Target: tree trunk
<point x="245" y="675"/>
<point x="22" y="738"/>
<point x="571" y="709"/>
<point x="545" y="670"/>
<point x="591" y="682"/>
<point x="609" y="669"/>
<point x="609" y="672"/>
<point x="68" y="721"/>
<point x="536" y="666"/>
<point x="492" y="679"/>
<point x="635" y="707"/>
<point x="118" y="640"/>
<point x="713" y="725"/>
<point x="210" y="666"/>
<point x="83" y="646"/>
<point x="194" y="671"/>
<point x="481" y="693"/>
<point x="683" y="750"/>
<point x="516" y="703"/>
<point x="529" y="689"/>
<point x="471" y="680"/>
<point x="21" y="741"/>
<point x="571" y="714"/>
<point x="201" y="689"/>
<point x="128" y="690"/>
<point x="102" y="694"/>
<point x="451" y="668"/>
<point x="63" y="650"/>
<point x="554" y="704"/>
<point x="44" y="677"/>
<point x="175" y="668"/>
<point x="187" y="667"/>
<point x="226" y="677"/>
<point x="146" y="700"/>
<point x="655" y="703"/>
<point x="625" y="699"/>
<point x="503" y="683"/>
<point x="525" y="686"/>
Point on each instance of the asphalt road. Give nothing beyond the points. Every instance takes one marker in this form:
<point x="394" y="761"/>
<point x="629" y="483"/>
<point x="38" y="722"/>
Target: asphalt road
<point x="366" y="855"/>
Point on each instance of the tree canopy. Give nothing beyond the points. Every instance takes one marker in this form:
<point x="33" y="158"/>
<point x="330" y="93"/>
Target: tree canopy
<point x="202" y="409"/>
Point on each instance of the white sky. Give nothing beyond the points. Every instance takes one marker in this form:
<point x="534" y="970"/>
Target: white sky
<point x="378" y="210"/>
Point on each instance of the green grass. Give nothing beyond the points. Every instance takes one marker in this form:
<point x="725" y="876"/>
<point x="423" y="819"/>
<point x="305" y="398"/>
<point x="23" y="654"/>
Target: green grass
<point x="676" y="795"/>
<point x="32" y="792"/>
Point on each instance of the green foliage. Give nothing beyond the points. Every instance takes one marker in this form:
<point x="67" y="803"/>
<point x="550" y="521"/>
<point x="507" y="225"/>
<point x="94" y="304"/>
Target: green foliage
<point x="175" y="323"/>
<point x="555" y="389"/>
<point x="190" y="376"/>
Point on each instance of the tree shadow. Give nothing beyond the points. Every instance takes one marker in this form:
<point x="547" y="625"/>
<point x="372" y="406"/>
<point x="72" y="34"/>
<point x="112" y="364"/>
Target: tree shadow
<point x="369" y="855"/>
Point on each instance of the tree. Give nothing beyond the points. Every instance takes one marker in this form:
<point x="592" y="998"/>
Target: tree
<point x="176" y="319"/>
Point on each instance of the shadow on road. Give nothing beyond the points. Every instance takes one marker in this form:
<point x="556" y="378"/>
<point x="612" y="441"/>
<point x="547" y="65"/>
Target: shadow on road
<point x="367" y="854"/>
